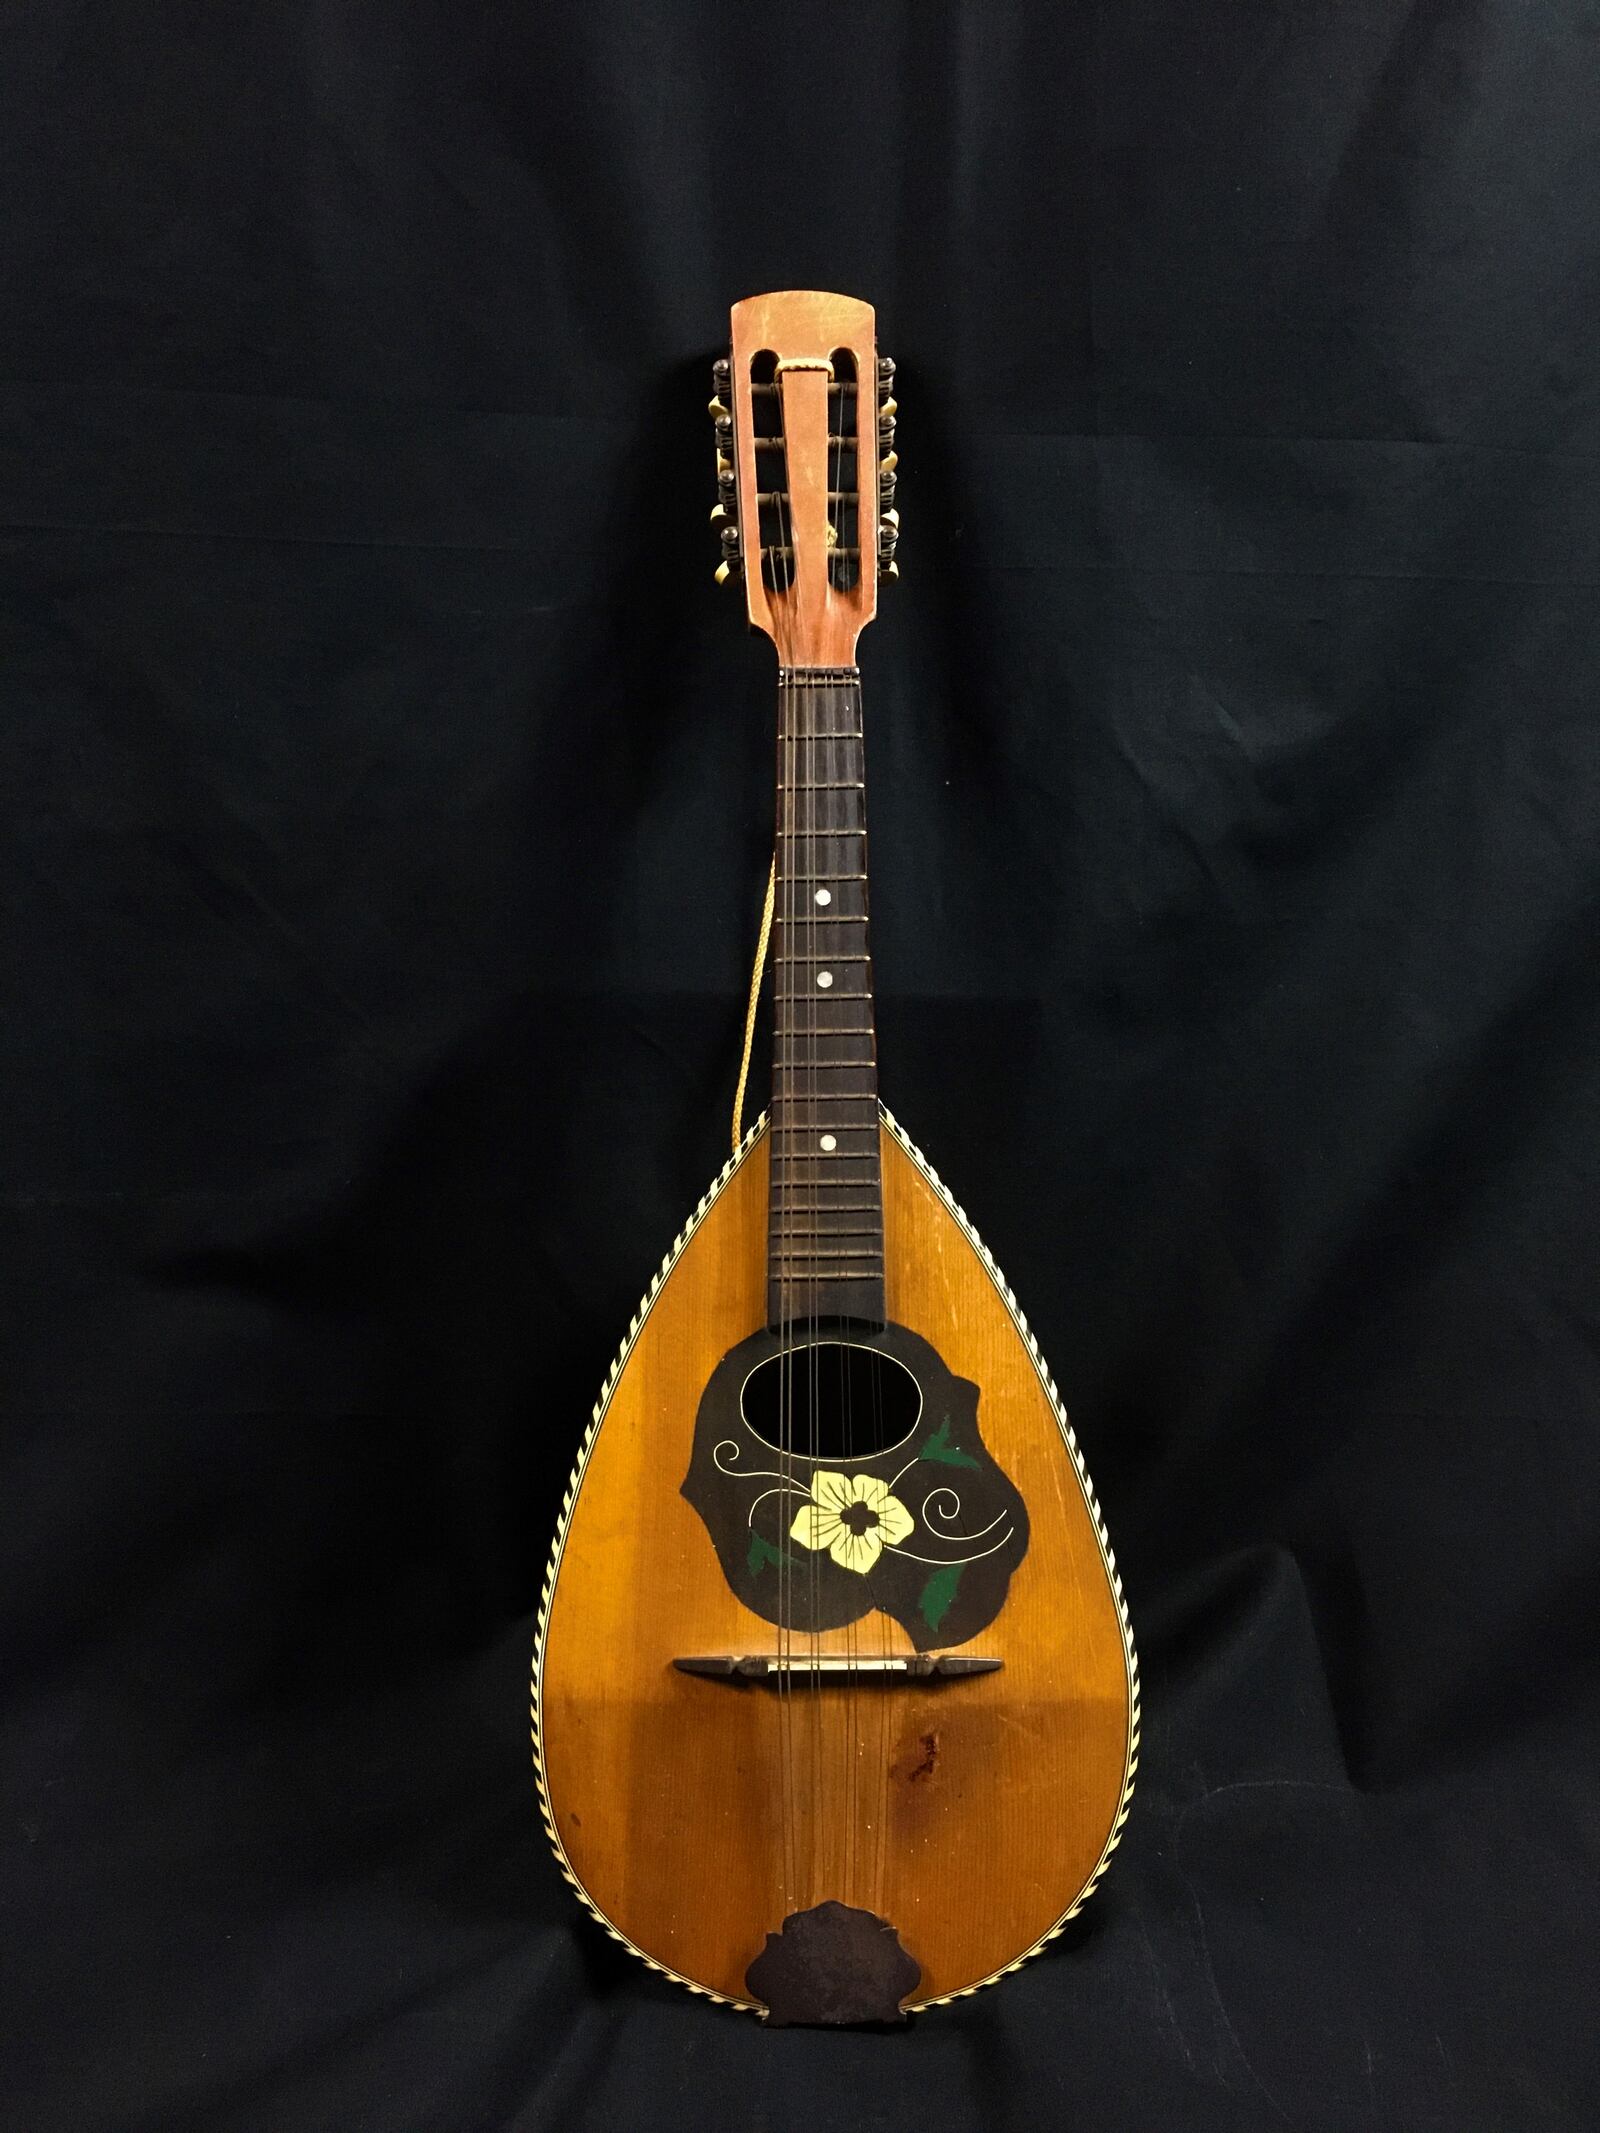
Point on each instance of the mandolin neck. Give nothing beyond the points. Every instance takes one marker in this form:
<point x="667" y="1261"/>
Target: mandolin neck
<point x="825" y="1225"/>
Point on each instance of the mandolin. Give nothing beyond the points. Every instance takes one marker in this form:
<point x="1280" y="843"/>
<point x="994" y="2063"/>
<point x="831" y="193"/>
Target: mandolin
<point x="835" y="1703"/>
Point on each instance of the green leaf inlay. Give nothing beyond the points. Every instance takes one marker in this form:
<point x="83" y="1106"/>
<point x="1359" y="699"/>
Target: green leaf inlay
<point x="943" y="1452"/>
<point x="938" y="1595"/>
<point x="762" y="1552"/>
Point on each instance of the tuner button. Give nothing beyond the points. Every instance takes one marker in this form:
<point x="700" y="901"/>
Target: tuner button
<point x="727" y="570"/>
<point x="888" y="463"/>
<point x="892" y="518"/>
<point x="888" y="567"/>
<point x="888" y="409"/>
<point x="715" y="408"/>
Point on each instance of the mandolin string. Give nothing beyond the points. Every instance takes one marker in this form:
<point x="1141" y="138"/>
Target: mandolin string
<point x="783" y="576"/>
<point x="816" y="1383"/>
<point x="778" y="1228"/>
<point x="841" y="754"/>
<point x="806" y="1367"/>
<point x="821" y="802"/>
<point x="814" y="1374"/>
<point x="817" y="697"/>
<point x="867" y="462"/>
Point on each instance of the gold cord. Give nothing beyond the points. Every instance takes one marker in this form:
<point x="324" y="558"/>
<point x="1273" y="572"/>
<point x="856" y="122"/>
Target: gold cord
<point x="755" y="1003"/>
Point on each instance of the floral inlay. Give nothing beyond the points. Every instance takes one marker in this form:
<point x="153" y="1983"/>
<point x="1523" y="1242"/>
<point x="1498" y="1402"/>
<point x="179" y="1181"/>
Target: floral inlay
<point x="854" y="1517"/>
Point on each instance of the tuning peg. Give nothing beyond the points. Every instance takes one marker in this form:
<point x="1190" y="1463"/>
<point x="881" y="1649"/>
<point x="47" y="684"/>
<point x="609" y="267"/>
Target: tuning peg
<point x="730" y="540"/>
<point x="885" y="370"/>
<point x="721" y="375"/>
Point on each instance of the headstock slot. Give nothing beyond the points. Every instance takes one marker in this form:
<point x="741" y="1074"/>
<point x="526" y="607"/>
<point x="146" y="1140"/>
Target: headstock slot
<point x="844" y="461"/>
<point x="771" y="518"/>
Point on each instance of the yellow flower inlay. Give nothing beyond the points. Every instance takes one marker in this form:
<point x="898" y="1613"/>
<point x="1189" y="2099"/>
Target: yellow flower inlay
<point x="854" y="1517"/>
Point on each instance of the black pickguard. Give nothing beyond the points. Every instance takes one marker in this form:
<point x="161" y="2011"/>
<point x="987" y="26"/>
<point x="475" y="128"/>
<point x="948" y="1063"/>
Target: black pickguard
<point x="943" y="1579"/>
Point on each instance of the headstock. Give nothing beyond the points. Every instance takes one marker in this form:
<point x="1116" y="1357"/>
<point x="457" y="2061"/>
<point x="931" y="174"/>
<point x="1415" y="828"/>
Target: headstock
<point x="805" y="420"/>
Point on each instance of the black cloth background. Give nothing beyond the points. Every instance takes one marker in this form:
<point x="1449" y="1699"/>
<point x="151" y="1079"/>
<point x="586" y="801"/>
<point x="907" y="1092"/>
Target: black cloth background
<point x="386" y="812"/>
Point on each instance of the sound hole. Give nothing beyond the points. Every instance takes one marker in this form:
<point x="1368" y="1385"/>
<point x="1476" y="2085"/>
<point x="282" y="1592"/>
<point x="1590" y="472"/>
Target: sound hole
<point x="831" y="1400"/>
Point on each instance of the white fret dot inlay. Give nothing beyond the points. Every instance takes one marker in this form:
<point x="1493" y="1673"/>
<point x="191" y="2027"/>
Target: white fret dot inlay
<point x="827" y="1144"/>
<point x="824" y="979"/>
<point x="824" y="896"/>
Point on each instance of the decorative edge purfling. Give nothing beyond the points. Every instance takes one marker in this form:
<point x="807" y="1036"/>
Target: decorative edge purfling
<point x="1130" y="1656"/>
<point x="546" y="1811"/>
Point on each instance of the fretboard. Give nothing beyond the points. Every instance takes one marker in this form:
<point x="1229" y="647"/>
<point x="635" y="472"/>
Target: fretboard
<point x="825" y="1232"/>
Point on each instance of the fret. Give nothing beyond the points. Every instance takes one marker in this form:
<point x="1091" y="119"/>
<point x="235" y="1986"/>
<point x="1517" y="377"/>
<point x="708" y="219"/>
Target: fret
<point x="833" y="1155"/>
<point x="800" y="1109"/>
<point x="805" y="1206"/>
<point x="828" y="1067"/>
<point x="799" y="1195"/>
<point x="873" y="1229"/>
<point x="825" y="1155"/>
<point x="824" y="1104"/>
<point x="803" y="1194"/>
<point x="820" y="1110"/>
<point x="832" y="1229"/>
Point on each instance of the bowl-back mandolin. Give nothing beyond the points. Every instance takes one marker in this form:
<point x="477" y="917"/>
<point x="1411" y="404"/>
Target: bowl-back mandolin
<point x="835" y="1704"/>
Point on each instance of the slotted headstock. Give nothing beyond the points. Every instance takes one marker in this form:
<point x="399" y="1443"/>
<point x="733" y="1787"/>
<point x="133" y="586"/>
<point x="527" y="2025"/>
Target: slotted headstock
<point x="805" y="421"/>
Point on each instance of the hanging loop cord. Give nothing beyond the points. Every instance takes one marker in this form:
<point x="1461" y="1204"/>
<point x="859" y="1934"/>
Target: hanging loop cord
<point x="755" y="1003"/>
